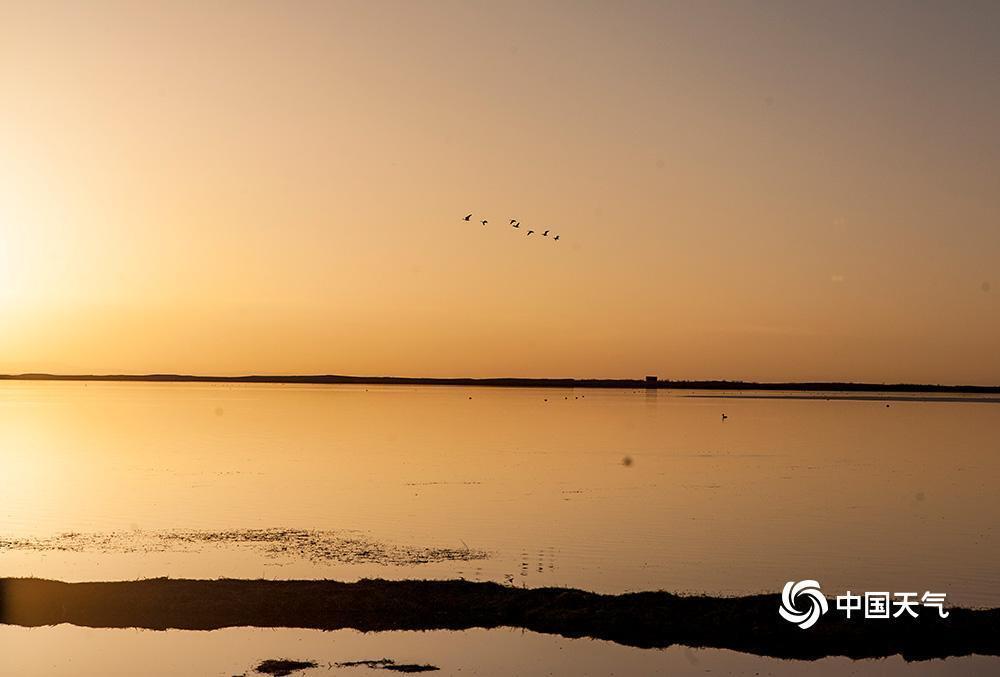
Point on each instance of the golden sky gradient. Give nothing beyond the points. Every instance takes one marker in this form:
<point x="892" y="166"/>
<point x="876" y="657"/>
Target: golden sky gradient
<point x="761" y="191"/>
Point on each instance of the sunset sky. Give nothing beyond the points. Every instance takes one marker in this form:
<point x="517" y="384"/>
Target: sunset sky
<point x="768" y="191"/>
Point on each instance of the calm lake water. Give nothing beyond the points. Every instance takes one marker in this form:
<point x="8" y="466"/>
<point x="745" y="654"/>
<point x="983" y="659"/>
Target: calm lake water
<point x="66" y="651"/>
<point x="607" y="490"/>
<point x="852" y="493"/>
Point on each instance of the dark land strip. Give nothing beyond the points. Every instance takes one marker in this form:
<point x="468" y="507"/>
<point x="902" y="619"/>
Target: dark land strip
<point x="646" y="619"/>
<point x="884" y="397"/>
<point x="624" y="383"/>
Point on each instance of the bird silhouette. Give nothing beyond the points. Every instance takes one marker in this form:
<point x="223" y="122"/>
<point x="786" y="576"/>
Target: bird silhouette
<point x="724" y="417"/>
<point x="515" y="224"/>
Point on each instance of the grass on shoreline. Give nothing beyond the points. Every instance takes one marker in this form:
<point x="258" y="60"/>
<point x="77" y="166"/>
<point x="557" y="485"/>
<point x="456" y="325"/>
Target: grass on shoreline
<point x="646" y="619"/>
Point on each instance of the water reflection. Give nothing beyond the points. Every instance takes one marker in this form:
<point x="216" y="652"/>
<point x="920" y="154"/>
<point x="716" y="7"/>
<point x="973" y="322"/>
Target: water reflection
<point x="852" y="493"/>
<point x="235" y="651"/>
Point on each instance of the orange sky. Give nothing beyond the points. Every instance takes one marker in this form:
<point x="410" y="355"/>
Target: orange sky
<point x="771" y="191"/>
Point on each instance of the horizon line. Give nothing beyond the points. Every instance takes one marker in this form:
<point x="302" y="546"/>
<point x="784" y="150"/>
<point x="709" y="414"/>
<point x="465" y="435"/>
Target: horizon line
<point x="515" y="381"/>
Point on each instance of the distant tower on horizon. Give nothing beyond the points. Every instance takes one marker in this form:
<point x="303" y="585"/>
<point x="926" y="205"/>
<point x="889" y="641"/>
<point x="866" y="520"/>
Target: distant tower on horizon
<point x="651" y="381"/>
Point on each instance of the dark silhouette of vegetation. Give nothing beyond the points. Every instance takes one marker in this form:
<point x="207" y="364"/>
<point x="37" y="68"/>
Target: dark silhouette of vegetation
<point x="645" y="619"/>
<point x="389" y="664"/>
<point x="282" y="667"/>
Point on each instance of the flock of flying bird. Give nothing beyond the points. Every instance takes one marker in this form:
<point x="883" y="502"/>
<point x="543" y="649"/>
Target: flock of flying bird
<point x="514" y="224"/>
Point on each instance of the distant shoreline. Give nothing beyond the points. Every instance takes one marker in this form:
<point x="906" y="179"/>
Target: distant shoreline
<point x="326" y="379"/>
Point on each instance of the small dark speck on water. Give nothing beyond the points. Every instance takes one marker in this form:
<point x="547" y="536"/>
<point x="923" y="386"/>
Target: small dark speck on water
<point x="627" y="461"/>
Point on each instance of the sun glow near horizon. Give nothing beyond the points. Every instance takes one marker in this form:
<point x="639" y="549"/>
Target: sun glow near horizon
<point x="279" y="189"/>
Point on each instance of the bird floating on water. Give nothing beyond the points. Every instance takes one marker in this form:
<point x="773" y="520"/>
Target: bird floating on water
<point x="556" y="237"/>
<point x="545" y="234"/>
<point x="467" y="217"/>
<point x="484" y="222"/>
<point x="530" y="232"/>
